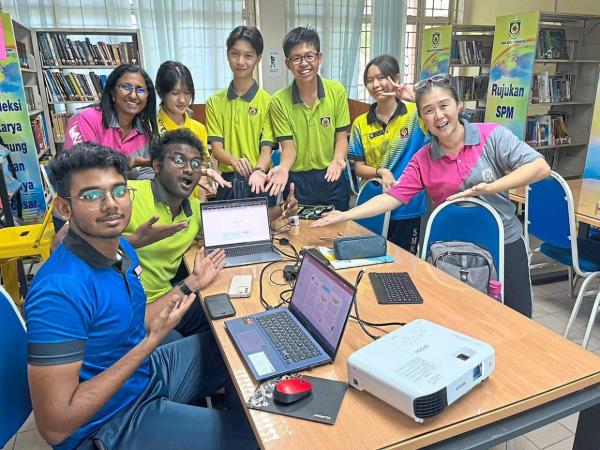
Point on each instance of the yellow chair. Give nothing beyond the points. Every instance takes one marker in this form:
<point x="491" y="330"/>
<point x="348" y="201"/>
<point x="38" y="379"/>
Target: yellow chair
<point x="21" y="242"/>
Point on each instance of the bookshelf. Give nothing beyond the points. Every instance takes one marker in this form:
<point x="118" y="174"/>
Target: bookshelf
<point x="555" y="116"/>
<point x="463" y="51"/>
<point x="74" y="64"/>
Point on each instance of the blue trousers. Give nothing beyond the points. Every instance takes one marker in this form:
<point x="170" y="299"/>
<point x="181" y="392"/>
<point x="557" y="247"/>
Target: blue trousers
<point x="161" y="418"/>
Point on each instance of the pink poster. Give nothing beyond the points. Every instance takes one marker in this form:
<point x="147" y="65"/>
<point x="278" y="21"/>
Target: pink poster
<point x="2" y="43"/>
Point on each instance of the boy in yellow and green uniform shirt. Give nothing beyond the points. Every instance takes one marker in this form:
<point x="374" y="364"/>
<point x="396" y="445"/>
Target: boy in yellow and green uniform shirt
<point x="311" y="122"/>
<point x="238" y="120"/>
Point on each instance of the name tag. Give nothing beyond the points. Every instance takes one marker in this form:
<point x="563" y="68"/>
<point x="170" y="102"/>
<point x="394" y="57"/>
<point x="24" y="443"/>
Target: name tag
<point x="138" y="271"/>
<point x="376" y="133"/>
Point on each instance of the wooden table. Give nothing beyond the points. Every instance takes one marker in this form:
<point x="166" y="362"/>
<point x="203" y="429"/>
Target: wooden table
<point x="586" y="195"/>
<point x="534" y="366"/>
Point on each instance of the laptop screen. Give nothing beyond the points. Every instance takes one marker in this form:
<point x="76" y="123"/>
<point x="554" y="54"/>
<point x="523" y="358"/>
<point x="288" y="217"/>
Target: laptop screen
<point x="321" y="301"/>
<point x="235" y="222"/>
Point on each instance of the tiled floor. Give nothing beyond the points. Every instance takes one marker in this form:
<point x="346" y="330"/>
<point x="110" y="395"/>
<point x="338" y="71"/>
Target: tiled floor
<point x="552" y="308"/>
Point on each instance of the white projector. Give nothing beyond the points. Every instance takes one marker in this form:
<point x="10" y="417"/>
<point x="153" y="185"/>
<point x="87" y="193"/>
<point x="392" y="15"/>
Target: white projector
<point x="421" y="367"/>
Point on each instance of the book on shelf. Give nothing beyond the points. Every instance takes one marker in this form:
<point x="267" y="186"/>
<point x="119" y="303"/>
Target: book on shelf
<point x="32" y="98"/>
<point x="555" y="88"/>
<point x="39" y="133"/>
<point x="547" y="129"/>
<point x="470" y="52"/>
<point x="552" y="44"/>
<point x="57" y="49"/>
<point x="471" y="88"/>
<point x="61" y="87"/>
<point x="23" y="55"/>
<point x="59" y="125"/>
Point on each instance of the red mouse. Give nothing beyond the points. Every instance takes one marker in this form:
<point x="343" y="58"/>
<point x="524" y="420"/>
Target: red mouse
<point x="291" y="390"/>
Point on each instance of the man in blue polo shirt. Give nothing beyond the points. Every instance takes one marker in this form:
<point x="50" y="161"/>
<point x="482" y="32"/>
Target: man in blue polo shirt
<point x="95" y="373"/>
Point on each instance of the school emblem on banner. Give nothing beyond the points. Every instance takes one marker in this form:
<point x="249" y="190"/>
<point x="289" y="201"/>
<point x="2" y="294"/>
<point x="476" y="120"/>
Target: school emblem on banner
<point x="325" y="121"/>
<point x="404" y="132"/>
<point x="252" y="111"/>
<point x="435" y="39"/>
<point x="514" y="28"/>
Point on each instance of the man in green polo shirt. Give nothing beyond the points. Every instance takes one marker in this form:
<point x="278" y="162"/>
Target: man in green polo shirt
<point x="238" y="120"/>
<point x="311" y="122"/>
<point x="165" y="221"/>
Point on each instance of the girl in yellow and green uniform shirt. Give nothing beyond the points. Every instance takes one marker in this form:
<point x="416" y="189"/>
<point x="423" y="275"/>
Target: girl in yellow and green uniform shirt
<point x="382" y="142"/>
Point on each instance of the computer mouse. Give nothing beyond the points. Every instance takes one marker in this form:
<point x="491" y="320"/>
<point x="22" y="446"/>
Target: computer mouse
<point x="291" y="390"/>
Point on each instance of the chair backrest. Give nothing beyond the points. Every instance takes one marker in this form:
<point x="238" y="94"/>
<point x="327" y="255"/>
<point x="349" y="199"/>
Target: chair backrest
<point x="15" y="403"/>
<point x="550" y="214"/>
<point x="377" y="224"/>
<point x="353" y="181"/>
<point x="468" y="220"/>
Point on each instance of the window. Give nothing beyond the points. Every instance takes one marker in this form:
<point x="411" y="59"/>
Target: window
<point x="421" y="14"/>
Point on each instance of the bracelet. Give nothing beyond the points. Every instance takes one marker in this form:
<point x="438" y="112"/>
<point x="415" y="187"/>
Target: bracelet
<point x="377" y="172"/>
<point x="258" y="168"/>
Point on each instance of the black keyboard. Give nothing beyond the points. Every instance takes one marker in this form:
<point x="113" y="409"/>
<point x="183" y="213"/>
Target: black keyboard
<point x="394" y="288"/>
<point x="287" y="337"/>
<point x="248" y="250"/>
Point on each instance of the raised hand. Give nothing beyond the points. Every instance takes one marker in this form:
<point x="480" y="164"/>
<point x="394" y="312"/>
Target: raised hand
<point x="257" y="181"/>
<point x="401" y="91"/>
<point x="277" y="178"/>
<point x="168" y="318"/>
<point x="242" y="166"/>
<point x="290" y="206"/>
<point x="216" y="176"/>
<point x="206" y="268"/>
<point x="334" y="170"/>
<point x="149" y="233"/>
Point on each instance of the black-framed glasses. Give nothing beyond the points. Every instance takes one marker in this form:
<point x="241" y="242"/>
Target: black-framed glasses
<point x="309" y="57"/>
<point x="440" y="78"/>
<point x="93" y="198"/>
<point x="128" y="88"/>
<point x="181" y="162"/>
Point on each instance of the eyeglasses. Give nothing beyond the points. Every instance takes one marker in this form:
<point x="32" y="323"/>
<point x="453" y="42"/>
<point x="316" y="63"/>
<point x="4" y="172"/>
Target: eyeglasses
<point x="440" y="78"/>
<point x="93" y="198"/>
<point x="309" y="57"/>
<point x="181" y="162"/>
<point x="127" y="88"/>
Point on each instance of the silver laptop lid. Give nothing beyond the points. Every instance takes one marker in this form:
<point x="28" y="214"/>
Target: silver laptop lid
<point x="232" y="222"/>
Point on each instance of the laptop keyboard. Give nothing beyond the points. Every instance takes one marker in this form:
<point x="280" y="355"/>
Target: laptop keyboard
<point x="248" y="250"/>
<point x="287" y="337"/>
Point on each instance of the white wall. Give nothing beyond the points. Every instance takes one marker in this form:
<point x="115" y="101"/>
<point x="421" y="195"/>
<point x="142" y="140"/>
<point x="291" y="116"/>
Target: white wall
<point x="272" y="25"/>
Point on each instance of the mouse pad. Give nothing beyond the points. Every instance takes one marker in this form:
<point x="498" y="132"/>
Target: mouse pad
<point x="321" y="405"/>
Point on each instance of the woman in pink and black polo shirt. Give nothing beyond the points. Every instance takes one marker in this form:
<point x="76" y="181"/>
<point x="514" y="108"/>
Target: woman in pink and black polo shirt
<point x="125" y="119"/>
<point x="464" y="160"/>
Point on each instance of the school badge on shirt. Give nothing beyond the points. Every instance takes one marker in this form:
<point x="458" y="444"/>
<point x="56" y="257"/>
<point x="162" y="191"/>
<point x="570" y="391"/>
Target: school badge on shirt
<point x="487" y="175"/>
<point x="325" y="121"/>
<point x="404" y="132"/>
<point x="252" y="111"/>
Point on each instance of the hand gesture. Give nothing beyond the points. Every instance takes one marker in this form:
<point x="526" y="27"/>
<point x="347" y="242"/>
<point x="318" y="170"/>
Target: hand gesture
<point x="334" y="170"/>
<point x="216" y="176"/>
<point x="148" y="233"/>
<point x="206" y="268"/>
<point x="290" y="206"/>
<point x="387" y="178"/>
<point x="329" y="218"/>
<point x="168" y="318"/>
<point x="480" y="189"/>
<point x="402" y="91"/>
<point x="257" y="181"/>
<point x="206" y="185"/>
<point x="242" y="166"/>
<point x="138" y="161"/>
<point x="277" y="178"/>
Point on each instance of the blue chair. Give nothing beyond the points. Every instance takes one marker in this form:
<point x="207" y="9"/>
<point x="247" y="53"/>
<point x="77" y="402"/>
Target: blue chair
<point x="550" y="217"/>
<point x="377" y="224"/>
<point x="468" y="220"/>
<point x="15" y="403"/>
<point x="353" y="181"/>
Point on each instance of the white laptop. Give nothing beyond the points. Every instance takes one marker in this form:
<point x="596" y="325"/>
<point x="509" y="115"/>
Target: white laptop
<point x="241" y="228"/>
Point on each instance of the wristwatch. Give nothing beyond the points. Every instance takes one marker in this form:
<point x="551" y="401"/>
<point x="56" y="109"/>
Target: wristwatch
<point x="184" y="288"/>
<point x="258" y="168"/>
